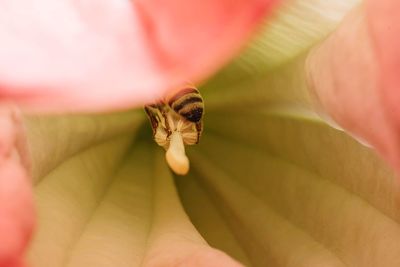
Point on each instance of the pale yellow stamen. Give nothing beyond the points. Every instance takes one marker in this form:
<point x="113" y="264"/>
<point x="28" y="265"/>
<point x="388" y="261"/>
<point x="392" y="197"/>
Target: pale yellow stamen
<point x="176" y="156"/>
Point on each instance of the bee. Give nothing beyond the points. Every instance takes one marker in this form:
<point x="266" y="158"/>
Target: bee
<point x="189" y="104"/>
<point x="181" y="112"/>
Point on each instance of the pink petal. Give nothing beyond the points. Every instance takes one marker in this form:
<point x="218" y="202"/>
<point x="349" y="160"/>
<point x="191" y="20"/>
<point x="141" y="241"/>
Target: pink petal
<point x="16" y="207"/>
<point x="91" y="55"/>
<point x="354" y="76"/>
<point x="384" y="20"/>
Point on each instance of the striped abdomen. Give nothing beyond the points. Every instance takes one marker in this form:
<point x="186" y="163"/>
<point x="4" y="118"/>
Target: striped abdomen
<point x="188" y="103"/>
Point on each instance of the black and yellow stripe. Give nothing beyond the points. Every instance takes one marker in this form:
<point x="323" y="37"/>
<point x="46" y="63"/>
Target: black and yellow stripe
<point x="188" y="103"/>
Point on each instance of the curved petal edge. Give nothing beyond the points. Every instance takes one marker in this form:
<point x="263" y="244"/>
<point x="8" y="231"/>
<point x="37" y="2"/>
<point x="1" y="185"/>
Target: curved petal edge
<point x="16" y="205"/>
<point x="352" y="76"/>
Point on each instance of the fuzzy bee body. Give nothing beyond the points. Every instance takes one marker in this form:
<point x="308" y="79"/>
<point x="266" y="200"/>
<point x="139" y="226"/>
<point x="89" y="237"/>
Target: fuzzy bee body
<point x="187" y="105"/>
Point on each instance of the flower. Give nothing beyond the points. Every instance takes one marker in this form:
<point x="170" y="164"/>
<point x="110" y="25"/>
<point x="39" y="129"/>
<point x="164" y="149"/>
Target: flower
<point x="271" y="182"/>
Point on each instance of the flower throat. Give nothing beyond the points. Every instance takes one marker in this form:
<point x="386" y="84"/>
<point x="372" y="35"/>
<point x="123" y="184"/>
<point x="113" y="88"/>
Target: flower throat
<point x="177" y="121"/>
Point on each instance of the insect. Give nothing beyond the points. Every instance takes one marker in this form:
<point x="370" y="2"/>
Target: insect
<point x="182" y="112"/>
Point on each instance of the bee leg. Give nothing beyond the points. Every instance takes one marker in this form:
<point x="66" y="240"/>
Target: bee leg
<point x="168" y="128"/>
<point x="199" y="129"/>
<point x="153" y="119"/>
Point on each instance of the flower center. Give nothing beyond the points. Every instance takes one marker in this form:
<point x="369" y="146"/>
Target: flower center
<point x="175" y="124"/>
<point x="172" y="134"/>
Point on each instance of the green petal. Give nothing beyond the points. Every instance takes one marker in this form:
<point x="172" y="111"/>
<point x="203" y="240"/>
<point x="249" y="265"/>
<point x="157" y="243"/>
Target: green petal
<point x="296" y="27"/>
<point x="53" y="139"/>
<point x="108" y="198"/>
<point x="295" y="192"/>
<point x="292" y="190"/>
